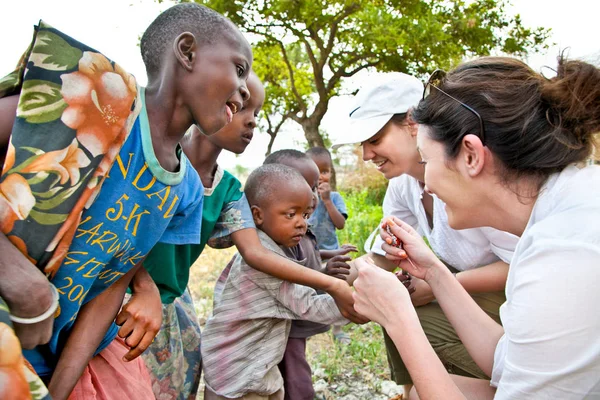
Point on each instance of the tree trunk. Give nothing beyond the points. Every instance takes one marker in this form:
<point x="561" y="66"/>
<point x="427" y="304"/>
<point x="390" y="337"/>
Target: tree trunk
<point x="314" y="139"/>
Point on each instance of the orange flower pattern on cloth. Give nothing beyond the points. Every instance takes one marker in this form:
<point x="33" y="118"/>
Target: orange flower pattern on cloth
<point x="66" y="163"/>
<point x="76" y="109"/>
<point x="16" y="201"/>
<point x="99" y="98"/>
<point x="17" y="380"/>
<point x="13" y="383"/>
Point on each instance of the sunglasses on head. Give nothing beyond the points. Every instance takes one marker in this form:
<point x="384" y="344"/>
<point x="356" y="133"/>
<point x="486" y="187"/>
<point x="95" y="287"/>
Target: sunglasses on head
<point x="435" y="81"/>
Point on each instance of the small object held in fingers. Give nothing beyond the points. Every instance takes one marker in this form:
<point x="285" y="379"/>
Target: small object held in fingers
<point x="395" y="242"/>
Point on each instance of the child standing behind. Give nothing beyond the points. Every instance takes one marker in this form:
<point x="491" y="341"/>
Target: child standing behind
<point x="295" y="370"/>
<point x="330" y="214"/>
<point x="245" y="338"/>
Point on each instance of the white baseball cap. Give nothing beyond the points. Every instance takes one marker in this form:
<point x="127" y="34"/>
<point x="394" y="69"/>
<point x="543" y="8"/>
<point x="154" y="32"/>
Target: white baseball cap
<point x="375" y="104"/>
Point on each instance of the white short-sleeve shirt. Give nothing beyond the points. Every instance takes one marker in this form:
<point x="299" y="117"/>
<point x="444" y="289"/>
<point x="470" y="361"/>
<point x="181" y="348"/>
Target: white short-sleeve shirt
<point x="463" y="249"/>
<point x="551" y="318"/>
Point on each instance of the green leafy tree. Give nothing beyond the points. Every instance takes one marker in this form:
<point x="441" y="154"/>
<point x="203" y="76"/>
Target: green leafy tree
<point x="305" y="48"/>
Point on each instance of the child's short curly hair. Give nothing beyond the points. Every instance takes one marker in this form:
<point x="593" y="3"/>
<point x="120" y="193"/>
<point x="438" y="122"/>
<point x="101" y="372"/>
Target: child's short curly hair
<point x="265" y="181"/>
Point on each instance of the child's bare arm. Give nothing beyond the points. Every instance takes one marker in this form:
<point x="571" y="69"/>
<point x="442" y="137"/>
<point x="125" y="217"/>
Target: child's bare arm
<point x="89" y="329"/>
<point x="258" y="257"/>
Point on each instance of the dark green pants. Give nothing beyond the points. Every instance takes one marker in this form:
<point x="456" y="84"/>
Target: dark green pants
<point x="444" y="340"/>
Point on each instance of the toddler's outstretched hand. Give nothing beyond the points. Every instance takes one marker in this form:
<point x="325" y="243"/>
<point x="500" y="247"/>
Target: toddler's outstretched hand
<point x="338" y="267"/>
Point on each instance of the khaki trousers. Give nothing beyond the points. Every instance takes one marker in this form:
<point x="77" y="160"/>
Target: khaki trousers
<point x="444" y="340"/>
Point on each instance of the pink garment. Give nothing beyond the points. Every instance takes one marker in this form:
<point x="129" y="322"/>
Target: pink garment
<point x="108" y="377"/>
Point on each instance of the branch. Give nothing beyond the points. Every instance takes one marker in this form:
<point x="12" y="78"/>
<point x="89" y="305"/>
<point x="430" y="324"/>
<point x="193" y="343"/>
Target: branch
<point x="355" y="70"/>
<point x="336" y="22"/>
<point x="292" y="80"/>
<point x="341" y="72"/>
<point x="314" y="36"/>
<point x="274" y="130"/>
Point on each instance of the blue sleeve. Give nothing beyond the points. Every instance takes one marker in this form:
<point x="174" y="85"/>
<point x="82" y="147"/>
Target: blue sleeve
<point x="185" y="225"/>
<point x="339" y="203"/>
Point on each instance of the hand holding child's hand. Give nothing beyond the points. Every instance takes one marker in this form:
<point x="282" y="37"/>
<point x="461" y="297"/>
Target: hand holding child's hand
<point x="324" y="191"/>
<point x="342" y="294"/>
<point x="379" y="294"/>
<point x="140" y="320"/>
<point x="338" y="267"/>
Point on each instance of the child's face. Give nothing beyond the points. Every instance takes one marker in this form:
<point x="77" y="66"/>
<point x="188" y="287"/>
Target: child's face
<point x="216" y="88"/>
<point x="324" y="164"/>
<point x="237" y="134"/>
<point x="284" y="217"/>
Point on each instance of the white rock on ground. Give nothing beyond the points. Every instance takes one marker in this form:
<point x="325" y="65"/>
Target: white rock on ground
<point x="389" y="388"/>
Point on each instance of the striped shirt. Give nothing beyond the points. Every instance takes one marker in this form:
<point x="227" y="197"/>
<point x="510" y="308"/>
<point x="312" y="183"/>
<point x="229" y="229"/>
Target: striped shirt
<point x="245" y="337"/>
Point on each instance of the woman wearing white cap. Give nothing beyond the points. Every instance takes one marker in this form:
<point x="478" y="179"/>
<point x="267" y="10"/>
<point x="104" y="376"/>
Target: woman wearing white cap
<point x="381" y="123"/>
<point x="505" y="147"/>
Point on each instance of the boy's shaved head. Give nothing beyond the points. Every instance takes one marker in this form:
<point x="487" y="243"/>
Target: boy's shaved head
<point x="264" y="182"/>
<point x="206" y="24"/>
<point x="318" y="152"/>
<point x="280" y="156"/>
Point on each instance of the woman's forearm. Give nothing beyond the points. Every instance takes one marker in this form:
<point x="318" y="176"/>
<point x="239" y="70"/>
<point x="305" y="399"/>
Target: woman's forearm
<point x="489" y="278"/>
<point x="478" y="332"/>
<point x="92" y="323"/>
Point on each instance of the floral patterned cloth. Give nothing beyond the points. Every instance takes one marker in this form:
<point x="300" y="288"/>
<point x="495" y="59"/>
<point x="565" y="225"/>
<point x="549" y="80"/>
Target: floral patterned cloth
<point x="87" y="103"/>
<point x="75" y="110"/>
<point x="174" y="359"/>
<point x="18" y="379"/>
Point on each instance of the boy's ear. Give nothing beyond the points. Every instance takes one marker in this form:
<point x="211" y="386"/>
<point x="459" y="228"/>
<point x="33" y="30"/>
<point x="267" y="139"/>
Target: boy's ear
<point x="257" y="215"/>
<point x="185" y="49"/>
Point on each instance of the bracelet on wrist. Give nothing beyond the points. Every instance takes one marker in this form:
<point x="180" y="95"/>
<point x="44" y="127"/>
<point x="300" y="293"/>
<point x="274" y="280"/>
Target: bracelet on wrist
<point x="47" y="314"/>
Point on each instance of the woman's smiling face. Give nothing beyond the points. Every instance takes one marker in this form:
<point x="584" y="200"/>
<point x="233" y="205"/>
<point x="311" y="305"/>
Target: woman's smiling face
<point x="447" y="180"/>
<point x="393" y="149"/>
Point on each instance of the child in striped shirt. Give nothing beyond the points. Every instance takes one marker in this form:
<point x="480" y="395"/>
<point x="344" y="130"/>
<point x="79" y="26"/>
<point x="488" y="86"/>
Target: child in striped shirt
<point x="245" y="338"/>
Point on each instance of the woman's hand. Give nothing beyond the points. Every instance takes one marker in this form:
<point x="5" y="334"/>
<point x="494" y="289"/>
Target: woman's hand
<point x="413" y="255"/>
<point x="380" y="295"/>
